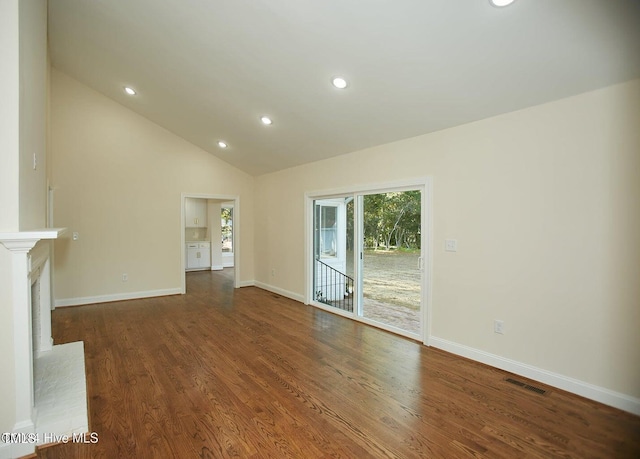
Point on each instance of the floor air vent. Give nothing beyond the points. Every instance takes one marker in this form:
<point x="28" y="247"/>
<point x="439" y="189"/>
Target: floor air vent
<point x="535" y="389"/>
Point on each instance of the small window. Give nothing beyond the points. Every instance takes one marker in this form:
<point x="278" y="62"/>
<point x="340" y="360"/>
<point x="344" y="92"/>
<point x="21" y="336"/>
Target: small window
<point x="328" y="231"/>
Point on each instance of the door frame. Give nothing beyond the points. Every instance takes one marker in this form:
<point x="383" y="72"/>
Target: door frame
<point x="423" y="183"/>
<point x="236" y="232"/>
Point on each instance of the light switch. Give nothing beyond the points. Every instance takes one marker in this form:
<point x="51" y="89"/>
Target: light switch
<point x="451" y="245"/>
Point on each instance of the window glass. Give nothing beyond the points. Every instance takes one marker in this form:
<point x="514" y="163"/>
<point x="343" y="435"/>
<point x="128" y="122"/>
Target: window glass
<point x="328" y="231"/>
<point x="227" y="229"/>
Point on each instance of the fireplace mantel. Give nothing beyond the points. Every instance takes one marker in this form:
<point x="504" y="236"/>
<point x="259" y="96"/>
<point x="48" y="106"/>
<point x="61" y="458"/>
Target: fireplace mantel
<point x="27" y="266"/>
<point x="24" y="238"/>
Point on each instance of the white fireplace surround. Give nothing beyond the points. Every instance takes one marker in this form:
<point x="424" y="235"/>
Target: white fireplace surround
<point x="34" y="352"/>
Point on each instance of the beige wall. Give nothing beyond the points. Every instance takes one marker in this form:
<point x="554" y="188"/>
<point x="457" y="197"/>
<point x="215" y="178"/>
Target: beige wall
<point x="544" y="205"/>
<point x="118" y="180"/>
<point x="33" y="113"/>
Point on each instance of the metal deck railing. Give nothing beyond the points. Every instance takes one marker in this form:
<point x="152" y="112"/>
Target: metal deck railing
<point x="333" y="287"/>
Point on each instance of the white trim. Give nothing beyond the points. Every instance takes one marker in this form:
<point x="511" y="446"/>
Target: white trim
<point x="427" y="258"/>
<point x="599" y="394"/>
<point x="38" y="256"/>
<point x="400" y="185"/>
<point x="61" y="303"/>
<point x="308" y="248"/>
<point x="358" y="256"/>
<point x="364" y="320"/>
<point x="280" y="291"/>
<point x="36" y="235"/>
<point x="389" y="328"/>
<point x="336" y="311"/>
<point x="217" y="267"/>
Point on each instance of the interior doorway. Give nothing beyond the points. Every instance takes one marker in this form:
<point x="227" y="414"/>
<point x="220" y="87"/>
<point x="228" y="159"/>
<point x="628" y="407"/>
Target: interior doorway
<point x="202" y="244"/>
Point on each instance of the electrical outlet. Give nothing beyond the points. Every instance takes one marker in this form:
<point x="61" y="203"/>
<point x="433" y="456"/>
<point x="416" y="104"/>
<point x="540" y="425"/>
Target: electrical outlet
<point x="76" y="236"/>
<point x="125" y="277"/>
<point x="273" y="272"/>
<point x="498" y="327"/>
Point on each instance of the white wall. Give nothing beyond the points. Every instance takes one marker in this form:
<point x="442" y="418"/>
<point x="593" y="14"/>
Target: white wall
<point x="23" y="83"/>
<point x="544" y="205"/>
<point x="9" y="116"/>
<point x="118" y="180"/>
<point x="9" y="187"/>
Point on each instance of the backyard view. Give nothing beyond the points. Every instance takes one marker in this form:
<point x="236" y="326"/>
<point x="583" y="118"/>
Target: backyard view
<point x="391" y="288"/>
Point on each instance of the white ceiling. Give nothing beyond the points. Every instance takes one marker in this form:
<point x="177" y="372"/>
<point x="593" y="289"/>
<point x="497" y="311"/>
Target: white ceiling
<point x="208" y="69"/>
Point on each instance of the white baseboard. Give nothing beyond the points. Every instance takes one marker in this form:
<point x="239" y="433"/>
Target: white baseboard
<point x="217" y="268"/>
<point x="227" y="264"/>
<point x="599" y="394"/>
<point x="279" y="291"/>
<point x="115" y="297"/>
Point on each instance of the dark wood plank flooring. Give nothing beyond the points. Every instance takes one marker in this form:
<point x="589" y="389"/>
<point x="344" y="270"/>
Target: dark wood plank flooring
<point x="246" y="373"/>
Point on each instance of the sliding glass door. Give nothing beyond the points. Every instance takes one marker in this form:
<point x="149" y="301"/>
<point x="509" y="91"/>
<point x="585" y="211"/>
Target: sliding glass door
<point x="367" y="257"/>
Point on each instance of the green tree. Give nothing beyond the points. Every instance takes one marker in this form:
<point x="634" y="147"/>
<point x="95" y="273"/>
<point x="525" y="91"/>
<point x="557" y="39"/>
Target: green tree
<point x="393" y="216"/>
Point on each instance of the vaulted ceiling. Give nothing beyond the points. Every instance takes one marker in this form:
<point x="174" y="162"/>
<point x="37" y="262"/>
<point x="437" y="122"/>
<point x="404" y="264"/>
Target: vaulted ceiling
<point x="207" y="70"/>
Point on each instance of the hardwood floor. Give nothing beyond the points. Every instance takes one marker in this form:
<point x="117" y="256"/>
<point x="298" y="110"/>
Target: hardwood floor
<point x="246" y="373"/>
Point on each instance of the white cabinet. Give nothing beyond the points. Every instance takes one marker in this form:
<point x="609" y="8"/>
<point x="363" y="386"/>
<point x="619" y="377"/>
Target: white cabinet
<point x="205" y="254"/>
<point x="198" y="255"/>
<point x="193" y="261"/>
<point x="195" y="211"/>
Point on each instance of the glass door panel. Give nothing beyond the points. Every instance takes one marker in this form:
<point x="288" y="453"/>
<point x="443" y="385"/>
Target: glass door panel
<point x="226" y="223"/>
<point x="333" y="242"/>
<point x="391" y="256"/>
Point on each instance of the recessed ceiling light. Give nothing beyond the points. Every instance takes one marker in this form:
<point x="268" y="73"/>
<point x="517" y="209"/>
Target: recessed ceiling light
<point x="222" y="144"/>
<point x="500" y="3"/>
<point x="339" y="82"/>
<point x="129" y="91"/>
<point x="266" y="120"/>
